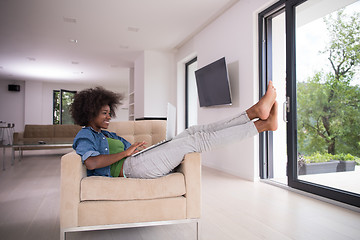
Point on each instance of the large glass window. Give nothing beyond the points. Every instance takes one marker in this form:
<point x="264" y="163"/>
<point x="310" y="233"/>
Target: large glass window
<point x="328" y="93"/>
<point x="61" y="106"/>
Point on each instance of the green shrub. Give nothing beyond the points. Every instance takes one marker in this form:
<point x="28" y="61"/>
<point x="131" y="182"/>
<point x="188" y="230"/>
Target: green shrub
<point x="318" y="157"/>
<point x="347" y="157"/>
<point x="325" y="157"/>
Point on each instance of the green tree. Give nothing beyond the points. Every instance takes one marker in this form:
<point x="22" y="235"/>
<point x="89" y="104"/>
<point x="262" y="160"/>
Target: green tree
<point x="56" y="107"/>
<point x="328" y="105"/>
<point x="62" y="99"/>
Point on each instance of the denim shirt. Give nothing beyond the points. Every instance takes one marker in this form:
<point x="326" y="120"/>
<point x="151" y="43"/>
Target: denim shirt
<point x="90" y="143"/>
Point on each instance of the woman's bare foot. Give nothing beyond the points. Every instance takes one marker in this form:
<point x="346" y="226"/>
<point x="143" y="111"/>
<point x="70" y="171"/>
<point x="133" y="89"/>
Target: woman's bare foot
<point x="262" y="108"/>
<point x="271" y="123"/>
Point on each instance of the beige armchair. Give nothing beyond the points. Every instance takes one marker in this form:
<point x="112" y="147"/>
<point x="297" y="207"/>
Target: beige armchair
<point x="96" y="203"/>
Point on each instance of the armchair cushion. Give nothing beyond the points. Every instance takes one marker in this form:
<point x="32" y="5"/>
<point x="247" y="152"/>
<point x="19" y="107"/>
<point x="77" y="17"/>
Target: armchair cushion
<point x="101" y="188"/>
<point x="114" y="212"/>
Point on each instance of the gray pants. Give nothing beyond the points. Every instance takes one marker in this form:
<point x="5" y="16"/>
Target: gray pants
<point x="161" y="160"/>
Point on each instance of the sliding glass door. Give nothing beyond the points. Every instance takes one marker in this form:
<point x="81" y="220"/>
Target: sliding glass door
<point x="322" y="102"/>
<point x="327" y="43"/>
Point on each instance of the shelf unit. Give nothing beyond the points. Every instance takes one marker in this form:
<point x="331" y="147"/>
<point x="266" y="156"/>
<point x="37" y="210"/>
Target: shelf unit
<point x="131" y="107"/>
<point x="131" y="96"/>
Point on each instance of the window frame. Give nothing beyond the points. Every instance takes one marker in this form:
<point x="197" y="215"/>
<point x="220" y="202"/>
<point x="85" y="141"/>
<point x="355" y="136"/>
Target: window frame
<point x="61" y="91"/>
<point x="187" y="90"/>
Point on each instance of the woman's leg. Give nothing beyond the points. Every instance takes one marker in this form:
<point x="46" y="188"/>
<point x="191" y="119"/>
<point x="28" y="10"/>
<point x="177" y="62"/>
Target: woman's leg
<point x="260" y="110"/>
<point x="225" y="123"/>
<point x="163" y="159"/>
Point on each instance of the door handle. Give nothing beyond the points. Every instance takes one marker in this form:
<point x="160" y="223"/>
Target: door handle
<point x="286" y="108"/>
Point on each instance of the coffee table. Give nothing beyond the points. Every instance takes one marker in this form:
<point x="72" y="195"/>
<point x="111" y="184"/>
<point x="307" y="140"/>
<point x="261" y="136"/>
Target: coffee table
<point x="21" y="145"/>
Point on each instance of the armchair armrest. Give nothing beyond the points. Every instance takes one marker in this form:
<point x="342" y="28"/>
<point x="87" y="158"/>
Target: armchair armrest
<point x="72" y="171"/>
<point x="191" y="168"/>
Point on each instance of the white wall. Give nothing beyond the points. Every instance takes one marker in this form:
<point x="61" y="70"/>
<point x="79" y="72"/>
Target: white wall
<point x="159" y="71"/>
<point x="233" y="35"/>
<point x="154" y="83"/>
<point x="139" y="76"/>
<point x="12" y="104"/>
<point x="34" y="103"/>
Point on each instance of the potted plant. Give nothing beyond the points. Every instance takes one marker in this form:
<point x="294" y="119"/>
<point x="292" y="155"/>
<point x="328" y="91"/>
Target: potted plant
<point x="325" y="163"/>
<point x="346" y="162"/>
<point x="316" y="163"/>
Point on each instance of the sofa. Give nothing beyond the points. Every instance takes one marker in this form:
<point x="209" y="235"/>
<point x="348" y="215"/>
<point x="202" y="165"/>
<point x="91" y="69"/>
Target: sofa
<point x="97" y="203"/>
<point x="43" y="135"/>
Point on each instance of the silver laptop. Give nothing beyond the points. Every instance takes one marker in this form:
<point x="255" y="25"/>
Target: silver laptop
<point x="170" y="129"/>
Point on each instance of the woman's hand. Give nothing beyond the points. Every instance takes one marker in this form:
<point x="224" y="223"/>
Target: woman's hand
<point x="105" y="160"/>
<point x="134" y="148"/>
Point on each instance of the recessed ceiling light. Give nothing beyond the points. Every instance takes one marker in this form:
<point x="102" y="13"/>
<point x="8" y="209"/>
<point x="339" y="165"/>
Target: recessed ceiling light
<point x="123" y="46"/>
<point x="133" y="29"/>
<point x="74" y="62"/>
<point x="73" y="40"/>
<point x="69" y="20"/>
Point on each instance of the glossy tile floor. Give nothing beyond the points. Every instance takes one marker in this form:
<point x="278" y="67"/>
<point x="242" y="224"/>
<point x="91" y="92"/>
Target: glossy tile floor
<point x="231" y="209"/>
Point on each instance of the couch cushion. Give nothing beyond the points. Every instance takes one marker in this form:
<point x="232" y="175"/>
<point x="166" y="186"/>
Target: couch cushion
<point x="104" y="188"/>
<point x="39" y="131"/>
<point x="66" y="130"/>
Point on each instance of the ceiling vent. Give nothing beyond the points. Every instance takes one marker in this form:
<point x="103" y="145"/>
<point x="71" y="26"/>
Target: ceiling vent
<point x="69" y="20"/>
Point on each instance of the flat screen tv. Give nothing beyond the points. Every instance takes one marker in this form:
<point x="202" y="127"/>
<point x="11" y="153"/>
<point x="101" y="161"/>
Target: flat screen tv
<point x="213" y="84"/>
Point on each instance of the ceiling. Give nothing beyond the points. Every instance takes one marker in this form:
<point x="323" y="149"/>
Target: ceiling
<point x="92" y="41"/>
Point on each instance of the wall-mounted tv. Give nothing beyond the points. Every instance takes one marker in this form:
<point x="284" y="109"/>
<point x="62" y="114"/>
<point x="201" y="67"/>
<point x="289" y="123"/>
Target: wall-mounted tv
<point x="213" y="84"/>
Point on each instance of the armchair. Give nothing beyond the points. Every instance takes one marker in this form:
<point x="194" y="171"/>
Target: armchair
<point x="96" y="203"/>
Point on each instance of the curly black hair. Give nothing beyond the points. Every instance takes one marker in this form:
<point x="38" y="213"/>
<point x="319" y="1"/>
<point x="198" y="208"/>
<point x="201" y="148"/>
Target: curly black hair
<point x="88" y="103"/>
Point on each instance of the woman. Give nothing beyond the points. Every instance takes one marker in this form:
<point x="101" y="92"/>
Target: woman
<point x="106" y="154"/>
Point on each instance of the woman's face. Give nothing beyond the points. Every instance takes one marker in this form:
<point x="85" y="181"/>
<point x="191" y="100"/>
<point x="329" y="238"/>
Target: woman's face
<point x="102" y="120"/>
